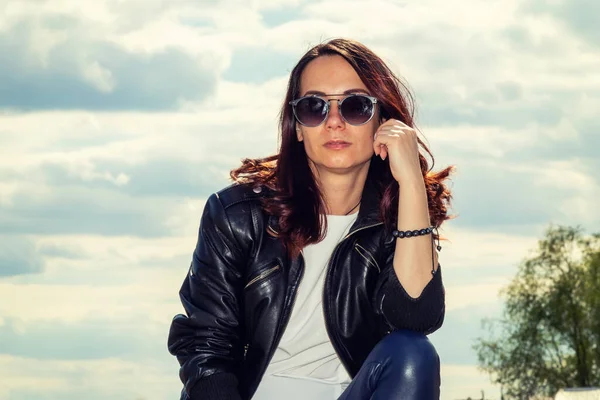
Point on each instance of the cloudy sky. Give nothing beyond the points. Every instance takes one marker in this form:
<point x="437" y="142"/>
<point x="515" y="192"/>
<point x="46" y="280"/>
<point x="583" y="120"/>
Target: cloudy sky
<point x="118" y="118"/>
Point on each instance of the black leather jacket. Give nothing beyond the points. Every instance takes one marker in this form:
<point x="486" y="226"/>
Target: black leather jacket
<point x="241" y="286"/>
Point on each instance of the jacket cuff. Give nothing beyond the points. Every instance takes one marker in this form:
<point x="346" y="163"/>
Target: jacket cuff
<point x="423" y="314"/>
<point x="219" y="386"/>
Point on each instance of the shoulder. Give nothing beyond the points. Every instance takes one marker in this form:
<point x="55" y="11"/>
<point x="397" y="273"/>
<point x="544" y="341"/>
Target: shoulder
<point x="239" y="193"/>
<point x="237" y="209"/>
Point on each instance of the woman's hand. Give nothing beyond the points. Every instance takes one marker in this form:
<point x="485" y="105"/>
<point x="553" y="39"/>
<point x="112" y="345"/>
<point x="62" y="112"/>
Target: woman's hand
<point x="398" y="141"/>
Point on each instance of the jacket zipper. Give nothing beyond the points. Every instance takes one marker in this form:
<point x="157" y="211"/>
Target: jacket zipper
<point x="295" y="294"/>
<point x="366" y="255"/>
<point x="262" y="275"/>
<point x="325" y="315"/>
<point x="360" y="229"/>
<point x="281" y="329"/>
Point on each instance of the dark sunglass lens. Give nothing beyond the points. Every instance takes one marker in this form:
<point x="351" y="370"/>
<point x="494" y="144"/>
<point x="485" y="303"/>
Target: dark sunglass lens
<point x="311" y="111"/>
<point x="357" y="109"/>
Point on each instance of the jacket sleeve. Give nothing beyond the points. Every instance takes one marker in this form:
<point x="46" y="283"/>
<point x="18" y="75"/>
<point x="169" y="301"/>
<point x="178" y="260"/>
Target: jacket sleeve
<point x="206" y="341"/>
<point x="401" y="311"/>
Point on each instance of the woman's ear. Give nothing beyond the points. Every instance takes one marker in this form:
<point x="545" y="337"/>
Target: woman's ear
<point x="299" y="134"/>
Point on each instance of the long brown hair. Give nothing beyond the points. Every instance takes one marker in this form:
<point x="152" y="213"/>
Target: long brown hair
<point x="296" y="200"/>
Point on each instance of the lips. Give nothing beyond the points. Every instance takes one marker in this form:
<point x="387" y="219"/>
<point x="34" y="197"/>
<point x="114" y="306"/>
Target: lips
<point x="337" y="144"/>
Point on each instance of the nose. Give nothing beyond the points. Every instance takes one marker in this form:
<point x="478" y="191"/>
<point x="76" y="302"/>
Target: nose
<point x="334" y="118"/>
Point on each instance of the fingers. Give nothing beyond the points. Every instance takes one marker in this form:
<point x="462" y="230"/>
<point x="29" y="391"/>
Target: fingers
<point x="384" y="136"/>
<point x="391" y="133"/>
<point x="393" y="127"/>
<point x="394" y="123"/>
<point x="383" y="152"/>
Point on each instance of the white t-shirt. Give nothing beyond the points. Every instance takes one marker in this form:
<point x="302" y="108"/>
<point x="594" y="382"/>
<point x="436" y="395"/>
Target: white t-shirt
<point x="305" y="361"/>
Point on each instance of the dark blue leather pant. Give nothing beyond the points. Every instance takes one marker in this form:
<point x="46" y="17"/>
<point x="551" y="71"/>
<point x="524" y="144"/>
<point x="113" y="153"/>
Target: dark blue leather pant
<point x="404" y="365"/>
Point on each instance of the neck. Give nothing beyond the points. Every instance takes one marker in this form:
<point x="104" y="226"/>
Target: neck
<point x="342" y="191"/>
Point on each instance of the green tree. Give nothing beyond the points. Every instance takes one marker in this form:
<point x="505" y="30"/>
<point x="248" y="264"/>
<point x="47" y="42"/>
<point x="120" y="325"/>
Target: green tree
<point x="549" y="335"/>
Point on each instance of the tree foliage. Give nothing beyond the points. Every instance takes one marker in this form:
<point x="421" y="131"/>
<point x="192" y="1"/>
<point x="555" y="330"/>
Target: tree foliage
<point x="549" y="335"/>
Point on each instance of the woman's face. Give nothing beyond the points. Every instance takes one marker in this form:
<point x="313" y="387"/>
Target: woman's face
<point x="335" y="145"/>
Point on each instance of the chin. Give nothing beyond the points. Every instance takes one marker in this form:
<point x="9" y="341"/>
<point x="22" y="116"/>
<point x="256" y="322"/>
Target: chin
<point x="336" y="164"/>
<point x="342" y="166"/>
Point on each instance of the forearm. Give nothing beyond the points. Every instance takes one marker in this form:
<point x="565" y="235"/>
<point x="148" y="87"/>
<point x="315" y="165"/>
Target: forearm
<point x="413" y="256"/>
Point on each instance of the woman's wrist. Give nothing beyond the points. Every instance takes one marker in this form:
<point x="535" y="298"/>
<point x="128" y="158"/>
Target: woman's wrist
<point x="412" y="181"/>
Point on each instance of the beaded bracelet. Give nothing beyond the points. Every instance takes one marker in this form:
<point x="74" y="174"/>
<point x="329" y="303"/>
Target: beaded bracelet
<point x="419" y="232"/>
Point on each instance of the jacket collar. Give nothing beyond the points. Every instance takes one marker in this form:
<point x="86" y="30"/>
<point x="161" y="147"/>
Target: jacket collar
<point x="368" y="214"/>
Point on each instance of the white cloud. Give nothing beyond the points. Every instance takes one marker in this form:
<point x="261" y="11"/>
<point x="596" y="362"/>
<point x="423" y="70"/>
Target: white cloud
<point x="484" y="142"/>
<point x="246" y="112"/>
<point x="473" y="248"/>
<point x="75" y="66"/>
<point x="263" y="5"/>
<point x="7" y="191"/>
<point x="463" y="296"/>
<point x="477" y="265"/>
<point x="93" y="379"/>
<point x="153" y="297"/>
<point x="101" y="78"/>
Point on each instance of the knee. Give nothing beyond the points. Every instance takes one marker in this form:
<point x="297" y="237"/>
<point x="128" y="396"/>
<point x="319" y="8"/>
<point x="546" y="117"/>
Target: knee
<point x="408" y="367"/>
<point x="410" y="352"/>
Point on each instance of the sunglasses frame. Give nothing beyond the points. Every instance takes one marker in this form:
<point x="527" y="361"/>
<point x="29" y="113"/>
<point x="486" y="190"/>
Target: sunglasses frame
<point x="293" y="103"/>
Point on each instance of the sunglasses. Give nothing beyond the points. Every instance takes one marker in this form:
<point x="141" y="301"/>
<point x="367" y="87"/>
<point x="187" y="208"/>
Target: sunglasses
<point x="355" y="109"/>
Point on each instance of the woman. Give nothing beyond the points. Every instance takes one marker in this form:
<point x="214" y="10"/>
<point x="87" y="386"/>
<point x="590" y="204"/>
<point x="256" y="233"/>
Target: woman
<point x="316" y="269"/>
